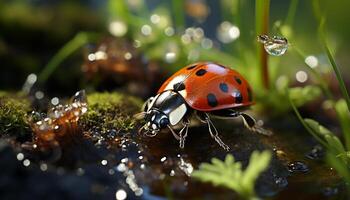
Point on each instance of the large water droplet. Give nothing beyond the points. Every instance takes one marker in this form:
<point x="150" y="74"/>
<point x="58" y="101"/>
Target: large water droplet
<point x="276" y="46"/>
<point x="298" y="167"/>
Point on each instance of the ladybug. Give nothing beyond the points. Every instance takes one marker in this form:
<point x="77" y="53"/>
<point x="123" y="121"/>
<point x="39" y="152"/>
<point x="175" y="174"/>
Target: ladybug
<point x="203" y="90"/>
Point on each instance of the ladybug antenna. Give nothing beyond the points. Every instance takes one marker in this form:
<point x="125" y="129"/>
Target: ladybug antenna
<point x="139" y="115"/>
<point x="142" y="128"/>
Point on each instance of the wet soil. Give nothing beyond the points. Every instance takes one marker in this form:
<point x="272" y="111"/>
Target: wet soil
<point x="93" y="166"/>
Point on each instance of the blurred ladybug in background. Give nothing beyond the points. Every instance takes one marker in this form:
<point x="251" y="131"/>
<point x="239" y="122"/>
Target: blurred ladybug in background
<point x="201" y="90"/>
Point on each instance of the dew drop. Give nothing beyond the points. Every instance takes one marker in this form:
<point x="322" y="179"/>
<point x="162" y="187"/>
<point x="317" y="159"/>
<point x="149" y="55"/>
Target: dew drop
<point x="227" y="32"/>
<point x="20" y="156"/>
<point x="207" y="43"/>
<point x="316" y="153"/>
<point x="311" y="61"/>
<point x="80" y="171"/>
<point x="280" y="181"/>
<point x="79" y="97"/>
<point x="43" y="166"/>
<point x="169" y="31"/>
<point x="104" y="162"/>
<point x="120" y="195"/>
<point x="146" y="30"/>
<point x="30" y="81"/>
<point x="163" y="159"/>
<point x="275" y="46"/>
<point x="298" y="167"/>
<point x="117" y="28"/>
<point x="55" y="101"/>
<point x="127" y="56"/>
<point x="170" y="57"/>
<point x="26" y="162"/>
<point x="39" y="95"/>
<point x="301" y="76"/>
<point x="111" y="171"/>
<point x="155" y="19"/>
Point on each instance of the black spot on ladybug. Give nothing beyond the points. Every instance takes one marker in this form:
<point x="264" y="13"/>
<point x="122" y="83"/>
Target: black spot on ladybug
<point x="250" y="95"/>
<point x="238" y="80"/>
<point x="238" y="96"/>
<point x="201" y="72"/>
<point x="212" y="101"/>
<point x="191" y="67"/>
<point x="223" y="87"/>
<point x="179" y="86"/>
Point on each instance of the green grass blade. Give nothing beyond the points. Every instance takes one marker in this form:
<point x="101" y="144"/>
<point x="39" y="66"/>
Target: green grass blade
<point x="179" y="14"/>
<point x="291" y="12"/>
<point x="69" y="48"/>
<point x="262" y="8"/>
<point x="344" y="119"/>
<point x="337" y="73"/>
<point x="306" y="126"/>
<point x="118" y="9"/>
<point x="321" y="17"/>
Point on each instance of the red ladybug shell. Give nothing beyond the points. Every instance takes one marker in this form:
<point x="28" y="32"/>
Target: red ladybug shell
<point x="209" y="86"/>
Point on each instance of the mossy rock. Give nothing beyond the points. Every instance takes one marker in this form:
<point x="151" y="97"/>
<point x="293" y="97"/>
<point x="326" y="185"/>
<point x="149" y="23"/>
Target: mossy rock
<point x="110" y="111"/>
<point x="13" y="111"/>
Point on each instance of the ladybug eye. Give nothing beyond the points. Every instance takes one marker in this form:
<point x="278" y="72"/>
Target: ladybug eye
<point x="163" y="122"/>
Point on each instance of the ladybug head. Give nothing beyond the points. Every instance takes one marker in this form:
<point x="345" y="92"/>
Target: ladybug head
<point x="156" y="120"/>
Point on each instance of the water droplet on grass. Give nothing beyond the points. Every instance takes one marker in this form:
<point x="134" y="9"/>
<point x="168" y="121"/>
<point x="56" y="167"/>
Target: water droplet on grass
<point x="276" y="45"/>
<point x="298" y="166"/>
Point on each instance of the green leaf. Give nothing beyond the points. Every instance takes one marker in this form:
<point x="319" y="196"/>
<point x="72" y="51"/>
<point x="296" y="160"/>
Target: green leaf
<point x="344" y="119"/>
<point x="339" y="165"/>
<point x="302" y="95"/>
<point x="229" y="173"/>
<point x="332" y="140"/>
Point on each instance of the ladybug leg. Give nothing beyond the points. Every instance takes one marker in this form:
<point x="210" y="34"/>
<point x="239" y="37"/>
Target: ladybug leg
<point x="183" y="132"/>
<point x="251" y="124"/>
<point x="176" y="136"/>
<point x="248" y="120"/>
<point x="204" y="117"/>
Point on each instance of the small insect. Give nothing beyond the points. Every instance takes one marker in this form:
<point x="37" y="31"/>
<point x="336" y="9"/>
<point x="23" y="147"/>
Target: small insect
<point x="202" y="90"/>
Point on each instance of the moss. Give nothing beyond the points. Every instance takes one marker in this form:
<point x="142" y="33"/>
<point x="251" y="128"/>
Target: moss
<point x="110" y="111"/>
<point x="13" y="110"/>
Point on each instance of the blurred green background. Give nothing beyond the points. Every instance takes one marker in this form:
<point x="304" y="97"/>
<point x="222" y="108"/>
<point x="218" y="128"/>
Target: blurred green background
<point x="32" y="31"/>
